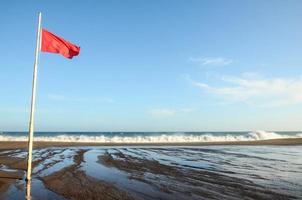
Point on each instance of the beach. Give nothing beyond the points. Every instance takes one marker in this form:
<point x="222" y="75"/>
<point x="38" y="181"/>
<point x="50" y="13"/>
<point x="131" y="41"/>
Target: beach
<point x="151" y="100"/>
<point x="266" y="169"/>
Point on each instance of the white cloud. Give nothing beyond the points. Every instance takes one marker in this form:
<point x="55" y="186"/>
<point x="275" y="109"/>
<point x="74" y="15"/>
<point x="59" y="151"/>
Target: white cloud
<point x="258" y="91"/>
<point x="211" y="61"/>
<point x="165" y="112"/>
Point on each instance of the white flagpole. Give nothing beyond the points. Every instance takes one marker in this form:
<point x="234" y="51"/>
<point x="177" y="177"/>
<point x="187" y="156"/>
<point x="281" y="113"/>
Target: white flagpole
<point x="33" y="102"/>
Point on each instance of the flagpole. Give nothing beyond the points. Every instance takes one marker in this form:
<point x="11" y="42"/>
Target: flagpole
<point x="33" y="102"/>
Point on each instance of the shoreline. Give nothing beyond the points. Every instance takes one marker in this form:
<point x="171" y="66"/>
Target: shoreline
<point x="43" y="144"/>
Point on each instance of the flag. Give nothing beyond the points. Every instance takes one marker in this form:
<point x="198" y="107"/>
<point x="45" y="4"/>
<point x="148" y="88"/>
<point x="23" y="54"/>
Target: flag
<point x="55" y="44"/>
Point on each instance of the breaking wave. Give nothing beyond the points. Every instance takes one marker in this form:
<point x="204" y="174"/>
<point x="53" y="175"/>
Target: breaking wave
<point x="159" y="138"/>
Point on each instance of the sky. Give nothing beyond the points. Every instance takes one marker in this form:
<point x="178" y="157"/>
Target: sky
<point x="181" y="65"/>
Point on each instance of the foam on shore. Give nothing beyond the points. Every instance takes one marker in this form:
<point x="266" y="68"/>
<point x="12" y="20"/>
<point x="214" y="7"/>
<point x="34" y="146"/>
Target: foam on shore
<point x="162" y="138"/>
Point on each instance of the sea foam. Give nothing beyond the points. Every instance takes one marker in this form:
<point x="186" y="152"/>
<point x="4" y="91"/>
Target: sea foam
<point x="161" y="138"/>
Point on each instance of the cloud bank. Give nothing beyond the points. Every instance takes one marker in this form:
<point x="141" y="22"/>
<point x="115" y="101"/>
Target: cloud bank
<point x="258" y="91"/>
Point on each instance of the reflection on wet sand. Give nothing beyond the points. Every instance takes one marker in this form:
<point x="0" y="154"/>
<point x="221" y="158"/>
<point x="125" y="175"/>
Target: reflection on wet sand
<point x="154" y="173"/>
<point x="28" y="190"/>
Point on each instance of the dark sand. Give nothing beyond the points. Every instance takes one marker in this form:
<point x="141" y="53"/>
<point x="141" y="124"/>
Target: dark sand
<point x="38" y="144"/>
<point x="73" y="183"/>
<point x="9" y="177"/>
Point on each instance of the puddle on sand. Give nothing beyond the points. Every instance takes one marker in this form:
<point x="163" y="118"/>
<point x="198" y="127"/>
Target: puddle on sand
<point x="62" y="158"/>
<point x="5" y="168"/>
<point x="38" y="191"/>
<point x="138" y="189"/>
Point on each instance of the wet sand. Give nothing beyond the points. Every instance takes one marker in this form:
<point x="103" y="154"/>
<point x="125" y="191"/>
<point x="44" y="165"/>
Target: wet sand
<point x="73" y="183"/>
<point x="201" y="184"/>
<point x="39" y="144"/>
<point x="103" y="171"/>
<point x="8" y="177"/>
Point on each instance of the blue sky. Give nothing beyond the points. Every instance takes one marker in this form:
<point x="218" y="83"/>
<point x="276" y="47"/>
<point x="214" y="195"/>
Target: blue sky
<point x="155" y="65"/>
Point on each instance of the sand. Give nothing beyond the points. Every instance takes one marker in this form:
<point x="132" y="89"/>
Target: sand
<point x="38" y="144"/>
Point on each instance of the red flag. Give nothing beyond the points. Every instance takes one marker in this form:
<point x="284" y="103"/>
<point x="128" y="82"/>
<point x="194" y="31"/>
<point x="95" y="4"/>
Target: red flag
<point x="55" y="44"/>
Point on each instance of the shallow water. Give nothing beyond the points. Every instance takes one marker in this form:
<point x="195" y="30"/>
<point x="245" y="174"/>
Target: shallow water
<point x="273" y="168"/>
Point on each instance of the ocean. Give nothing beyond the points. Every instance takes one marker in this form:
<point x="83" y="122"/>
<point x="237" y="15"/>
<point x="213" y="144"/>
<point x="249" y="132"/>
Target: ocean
<point x="148" y="137"/>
